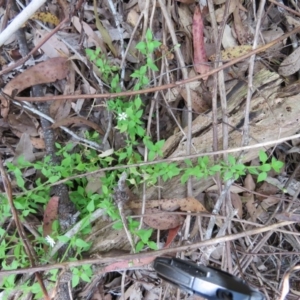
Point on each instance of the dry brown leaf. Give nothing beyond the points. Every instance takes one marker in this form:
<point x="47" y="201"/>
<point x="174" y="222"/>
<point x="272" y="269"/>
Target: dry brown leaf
<point x="23" y="124"/>
<point x="231" y="53"/>
<point x="288" y="217"/>
<point x="53" y="47"/>
<point x="198" y="104"/>
<point x="48" y="71"/>
<point x="220" y="11"/>
<point x="291" y="64"/>
<point x="60" y="109"/>
<point x="267" y="189"/>
<point x="200" y="60"/>
<point x="249" y="197"/>
<point x="185" y="18"/>
<point x="237" y="204"/>
<point x="261" y="210"/>
<point x="24" y="148"/>
<point x="37" y="143"/>
<point x="161" y="221"/>
<point x="92" y="38"/>
<point x="243" y="33"/>
<point x="77" y="120"/>
<point x="50" y="214"/>
<point x="191" y="204"/>
<point x="185" y="204"/>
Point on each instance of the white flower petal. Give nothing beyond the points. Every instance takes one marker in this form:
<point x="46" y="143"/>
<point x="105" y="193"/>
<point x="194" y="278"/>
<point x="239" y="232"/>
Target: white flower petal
<point x="50" y="240"/>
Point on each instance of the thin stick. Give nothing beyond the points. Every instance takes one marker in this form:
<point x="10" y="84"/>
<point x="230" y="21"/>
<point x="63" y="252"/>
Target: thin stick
<point x="20" y="19"/>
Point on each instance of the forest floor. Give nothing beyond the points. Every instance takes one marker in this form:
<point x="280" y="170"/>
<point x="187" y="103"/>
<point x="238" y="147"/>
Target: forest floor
<point x="132" y="130"/>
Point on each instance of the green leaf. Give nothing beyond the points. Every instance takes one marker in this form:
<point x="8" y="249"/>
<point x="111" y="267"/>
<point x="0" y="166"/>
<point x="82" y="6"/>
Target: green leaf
<point x="75" y="280"/>
<point x="54" y="178"/>
<point x="104" y="189"/>
<point x="63" y="238"/>
<point x="265" y="167"/>
<point x="144" y="234"/>
<point x="149" y="36"/>
<point x="91" y="206"/>
<point x="152" y="245"/>
<point x="85" y="277"/>
<point x="139" y="246"/>
<point x="276" y="164"/>
<point x="216" y="168"/>
<point x="141" y="46"/>
<point x="118" y="225"/>
<point x="81" y="243"/>
<point x="263" y="156"/>
<point x="262" y="176"/>
<point x="137" y="102"/>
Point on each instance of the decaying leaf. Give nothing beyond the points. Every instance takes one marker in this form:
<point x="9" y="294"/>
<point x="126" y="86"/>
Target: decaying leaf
<point x="23" y="124"/>
<point x="288" y="217"/>
<point x="45" y="72"/>
<point x="200" y="60"/>
<point x="53" y="47"/>
<point x="291" y="64"/>
<point x="237" y="204"/>
<point x="231" y="53"/>
<point x="50" y="214"/>
<point x="228" y="41"/>
<point x="185" y="204"/>
<point x="155" y="219"/>
<point x="92" y="38"/>
<point x="77" y="120"/>
<point x="249" y="197"/>
<point x="243" y="33"/>
<point x="24" y="148"/>
<point x="46" y="17"/>
<point x="104" y="33"/>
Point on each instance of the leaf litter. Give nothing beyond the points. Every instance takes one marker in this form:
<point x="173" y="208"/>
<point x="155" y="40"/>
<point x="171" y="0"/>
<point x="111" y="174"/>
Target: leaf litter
<point x="60" y="65"/>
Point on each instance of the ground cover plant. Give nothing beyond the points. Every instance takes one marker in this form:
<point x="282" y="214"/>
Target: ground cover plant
<point x="109" y="165"/>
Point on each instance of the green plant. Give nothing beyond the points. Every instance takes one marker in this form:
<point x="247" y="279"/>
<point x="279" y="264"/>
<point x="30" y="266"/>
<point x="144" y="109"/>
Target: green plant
<point x="35" y="193"/>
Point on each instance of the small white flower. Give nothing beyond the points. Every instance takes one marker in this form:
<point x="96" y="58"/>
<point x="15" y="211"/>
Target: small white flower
<point x="50" y="240"/>
<point x="122" y="116"/>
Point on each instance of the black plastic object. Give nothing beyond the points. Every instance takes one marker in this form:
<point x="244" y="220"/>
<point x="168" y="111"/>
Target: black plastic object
<point x="210" y="283"/>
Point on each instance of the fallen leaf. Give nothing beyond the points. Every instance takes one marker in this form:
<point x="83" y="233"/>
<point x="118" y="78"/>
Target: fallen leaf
<point x="50" y="215"/>
<point x="92" y="38"/>
<point x="24" y="148"/>
<point x="23" y="124"/>
<point x="48" y="71"/>
<point x="172" y="233"/>
<point x="228" y="41"/>
<point x="45" y="17"/>
<point x="243" y="33"/>
<point x="288" y="217"/>
<point x="237" y="204"/>
<point x="198" y="104"/>
<point x="185" y="204"/>
<point x="191" y="204"/>
<point x="291" y="64"/>
<point x="249" y="197"/>
<point x="104" y="33"/>
<point x="77" y="120"/>
<point x="60" y="109"/>
<point x="161" y="221"/>
<point x="200" y="60"/>
<point x="231" y="53"/>
<point x="53" y="47"/>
